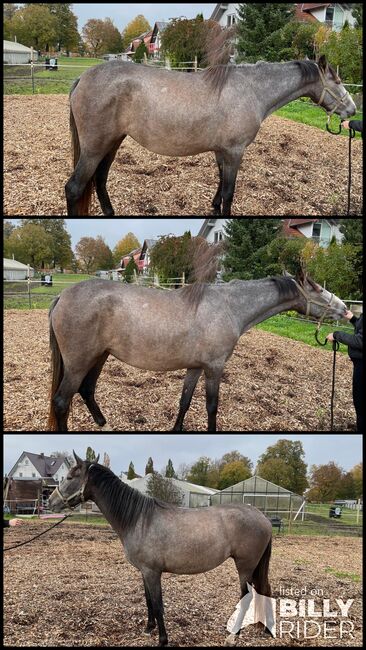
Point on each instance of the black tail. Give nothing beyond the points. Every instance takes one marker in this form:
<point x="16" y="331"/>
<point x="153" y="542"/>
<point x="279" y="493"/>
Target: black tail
<point x="260" y="575"/>
<point x="57" y="369"/>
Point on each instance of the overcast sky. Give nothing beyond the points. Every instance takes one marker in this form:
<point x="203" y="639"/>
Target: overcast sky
<point x="114" y="229"/>
<point x="123" y="12"/>
<point x="346" y="450"/>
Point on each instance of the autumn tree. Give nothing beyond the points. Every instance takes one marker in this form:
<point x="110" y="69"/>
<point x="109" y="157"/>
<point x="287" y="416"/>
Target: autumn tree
<point x="149" y="469"/>
<point x="232" y="473"/>
<point x="93" y="254"/>
<point x="283" y="463"/>
<point x="358" y="480"/>
<point x="135" y="27"/>
<point x="30" y="244"/>
<point x="33" y="25"/>
<point x="61" y="240"/>
<point x="169" y="470"/>
<point x="126" y="245"/>
<point x="8" y="228"/>
<point x="164" y="489"/>
<point x="131" y="472"/>
<point x="101" y="36"/>
<point x="90" y="454"/>
<point x="324" y="481"/>
<point x="106" y="460"/>
<point x="203" y="472"/>
<point x="67" y="35"/>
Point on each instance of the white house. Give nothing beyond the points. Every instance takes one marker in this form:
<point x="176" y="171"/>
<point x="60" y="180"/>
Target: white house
<point x="36" y="466"/>
<point x="17" y="53"/>
<point x="14" y="270"/>
<point x="320" y="230"/>
<point x="333" y="15"/>
<point x="195" y="496"/>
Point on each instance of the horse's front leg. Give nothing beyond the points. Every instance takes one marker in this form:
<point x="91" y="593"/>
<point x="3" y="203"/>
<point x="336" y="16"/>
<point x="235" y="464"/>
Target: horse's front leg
<point x="230" y="170"/>
<point x="190" y="382"/>
<point x="151" y="622"/>
<point x="217" y="200"/>
<point x="152" y="581"/>
<point x="212" y="379"/>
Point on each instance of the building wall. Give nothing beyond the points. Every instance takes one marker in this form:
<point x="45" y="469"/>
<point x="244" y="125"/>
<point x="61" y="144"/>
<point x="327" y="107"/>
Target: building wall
<point x="231" y="10"/>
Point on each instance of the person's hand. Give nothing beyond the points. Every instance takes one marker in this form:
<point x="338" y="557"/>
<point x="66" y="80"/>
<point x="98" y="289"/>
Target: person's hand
<point x="348" y="314"/>
<point x="15" y="522"/>
<point x="345" y="124"/>
<point x="330" y="338"/>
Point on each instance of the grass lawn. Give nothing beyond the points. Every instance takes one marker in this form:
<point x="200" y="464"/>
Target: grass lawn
<point x="301" y="330"/>
<point x="307" y="113"/>
<point x="41" y="297"/>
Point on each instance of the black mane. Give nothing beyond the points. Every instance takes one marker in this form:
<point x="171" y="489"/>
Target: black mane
<point x="126" y="504"/>
<point x="286" y="286"/>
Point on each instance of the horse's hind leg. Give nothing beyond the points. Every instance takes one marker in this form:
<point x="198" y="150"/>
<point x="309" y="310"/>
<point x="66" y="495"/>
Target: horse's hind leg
<point x="190" y="382"/>
<point x="101" y="176"/>
<point x="78" y="181"/>
<point x="62" y="398"/>
<point x="87" y="390"/>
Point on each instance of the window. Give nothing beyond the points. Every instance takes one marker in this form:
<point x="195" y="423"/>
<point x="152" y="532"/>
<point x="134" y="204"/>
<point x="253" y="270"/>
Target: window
<point x="316" y="230"/>
<point x="230" y="20"/>
<point x="26" y="461"/>
<point x="33" y="475"/>
<point x="20" y="474"/>
<point x="329" y="14"/>
<point x="218" y="236"/>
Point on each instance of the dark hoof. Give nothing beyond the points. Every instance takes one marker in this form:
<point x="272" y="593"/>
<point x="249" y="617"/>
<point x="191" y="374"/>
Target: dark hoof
<point x="149" y="628"/>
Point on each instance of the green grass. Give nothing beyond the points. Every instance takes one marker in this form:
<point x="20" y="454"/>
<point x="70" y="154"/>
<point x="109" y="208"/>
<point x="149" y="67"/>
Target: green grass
<point x="48" y="82"/>
<point x="41" y="297"/>
<point x="300" y="330"/>
<point x="355" y="577"/>
<point x="306" y="113"/>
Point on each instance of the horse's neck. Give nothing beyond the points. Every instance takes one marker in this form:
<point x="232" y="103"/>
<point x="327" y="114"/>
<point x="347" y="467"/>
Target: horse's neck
<point x="278" y="84"/>
<point x="253" y="302"/>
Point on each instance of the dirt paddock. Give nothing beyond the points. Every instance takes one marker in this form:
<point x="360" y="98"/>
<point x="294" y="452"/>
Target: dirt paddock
<point x="74" y="587"/>
<point x="290" y="169"/>
<point x="271" y="383"/>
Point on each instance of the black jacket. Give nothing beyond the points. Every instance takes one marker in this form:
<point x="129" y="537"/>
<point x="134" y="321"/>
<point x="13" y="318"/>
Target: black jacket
<point x="6" y="523"/>
<point x="356" y="125"/>
<point x="354" y="341"/>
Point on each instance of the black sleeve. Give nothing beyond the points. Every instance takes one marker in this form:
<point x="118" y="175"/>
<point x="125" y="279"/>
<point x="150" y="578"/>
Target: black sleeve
<point x="353" y="340"/>
<point x="356" y="125"/>
<point x="6" y="523"/>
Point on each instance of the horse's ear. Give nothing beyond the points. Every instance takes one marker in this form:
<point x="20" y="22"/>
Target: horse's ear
<point x="97" y="458"/>
<point x="301" y="276"/>
<point x="79" y="461"/>
<point x="287" y="274"/>
<point x="322" y="63"/>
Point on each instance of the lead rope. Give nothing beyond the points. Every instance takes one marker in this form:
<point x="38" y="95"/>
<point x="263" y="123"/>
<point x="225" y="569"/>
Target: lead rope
<point x="9" y="548"/>
<point x="335" y="350"/>
<point x="350" y="138"/>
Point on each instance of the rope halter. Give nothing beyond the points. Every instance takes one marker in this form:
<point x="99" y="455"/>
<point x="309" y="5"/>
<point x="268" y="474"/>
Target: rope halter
<point x="78" y="494"/>
<point x="326" y="89"/>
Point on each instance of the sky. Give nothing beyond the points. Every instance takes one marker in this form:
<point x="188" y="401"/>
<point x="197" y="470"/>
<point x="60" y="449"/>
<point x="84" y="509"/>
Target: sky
<point x="114" y="229"/>
<point x="344" y="449"/>
<point x="123" y="12"/>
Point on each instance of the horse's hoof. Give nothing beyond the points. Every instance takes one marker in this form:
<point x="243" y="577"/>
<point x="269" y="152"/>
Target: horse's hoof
<point x="105" y="427"/>
<point x="231" y="640"/>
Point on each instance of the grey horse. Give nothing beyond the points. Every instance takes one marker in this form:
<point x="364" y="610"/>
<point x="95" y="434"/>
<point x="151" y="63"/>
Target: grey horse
<point x="161" y="538"/>
<point x="172" y="113"/>
<point x="196" y="327"/>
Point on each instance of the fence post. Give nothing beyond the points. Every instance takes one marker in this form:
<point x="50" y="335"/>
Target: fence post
<point x="358" y="511"/>
<point x="156" y="280"/>
<point x="145" y="57"/>
<point x="195" y="63"/>
<point x="32" y="70"/>
<point x="29" y="287"/>
<point x="183" y="278"/>
<point x="167" y="63"/>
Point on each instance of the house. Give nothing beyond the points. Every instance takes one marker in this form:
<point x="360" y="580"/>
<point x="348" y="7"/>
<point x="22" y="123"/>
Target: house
<point x="17" y="53"/>
<point x="32" y="479"/>
<point x="142" y="38"/>
<point x="155" y="43"/>
<point x="334" y="15"/>
<point x="194" y="496"/>
<point x="320" y="230"/>
<point x="147" y="247"/>
<point x="14" y="270"/>
<point x="136" y="256"/>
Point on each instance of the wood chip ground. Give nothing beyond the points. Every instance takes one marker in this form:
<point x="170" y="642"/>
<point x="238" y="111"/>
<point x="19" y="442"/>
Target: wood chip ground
<point x="271" y="383"/>
<point x="290" y="169"/>
<point x="75" y="587"/>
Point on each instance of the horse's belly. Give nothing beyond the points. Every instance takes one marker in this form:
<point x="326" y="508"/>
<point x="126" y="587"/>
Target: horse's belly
<point x="177" y="147"/>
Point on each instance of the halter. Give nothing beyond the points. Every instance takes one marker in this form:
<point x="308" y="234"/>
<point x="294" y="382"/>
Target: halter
<point x="310" y="301"/>
<point x="79" y="493"/>
<point x="326" y="89"/>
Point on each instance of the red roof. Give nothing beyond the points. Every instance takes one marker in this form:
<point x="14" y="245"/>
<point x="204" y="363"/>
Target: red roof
<point x="303" y="10"/>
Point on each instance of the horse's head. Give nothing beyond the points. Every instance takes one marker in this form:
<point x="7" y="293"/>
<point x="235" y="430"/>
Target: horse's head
<point x="74" y="488"/>
<point x="318" y="302"/>
<point x="330" y="93"/>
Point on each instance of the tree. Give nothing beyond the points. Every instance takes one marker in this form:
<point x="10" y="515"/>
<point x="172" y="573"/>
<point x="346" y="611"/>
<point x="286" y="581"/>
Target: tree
<point x="131" y="270"/>
<point x="324" y="482"/>
<point x="61" y="240"/>
<point x="101" y="36"/>
<point x="289" y="470"/>
<point x="67" y="35"/>
<point x="126" y="245"/>
<point x="140" y="53"/>
<point x="256" y="23"/>
<point x="164" y="489"/>
<point x="149" y="469"/>
<point x="131" y="472"/>
<point x="233" y="473"/>
<point x="135" y="27"/>
<point x="357" y="11"/>
<point x="169" y="470"/>
<point x="33" y="25"/>
<point x="352" y="230"/>
<point x="337" y="266"/>
<point x="199" y="471"/>
<point x="244" y="238"/>
<point x="90" y="454"/>
<point x="346" y="488"/>
<point x="184" y="39"/>
<point x="358" y="480"/>
<point x="93" y="254"/>
<point x="30" y="244"/>
<point x="344" y="49"/>
<point x="8" y="228"/>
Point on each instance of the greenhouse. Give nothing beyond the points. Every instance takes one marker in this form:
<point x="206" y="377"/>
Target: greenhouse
<point x="271" y="499"/>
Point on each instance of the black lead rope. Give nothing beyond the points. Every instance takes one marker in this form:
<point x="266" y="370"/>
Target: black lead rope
<point x="335" y="350"/>
<point x="43" y="532"/>
<point x="350" y="138"/>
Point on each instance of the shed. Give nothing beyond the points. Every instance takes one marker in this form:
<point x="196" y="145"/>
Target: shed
<point x="268" y="497"/>
<point x="17" y="53"/>
<point x="14" y="270"/>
